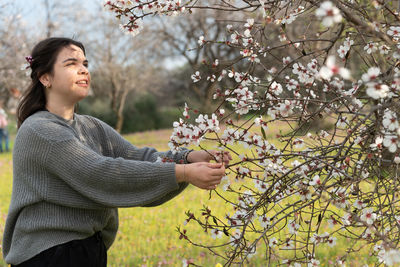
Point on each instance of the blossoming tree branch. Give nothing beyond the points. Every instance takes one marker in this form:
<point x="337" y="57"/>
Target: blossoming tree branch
<point x="300" y="65"/>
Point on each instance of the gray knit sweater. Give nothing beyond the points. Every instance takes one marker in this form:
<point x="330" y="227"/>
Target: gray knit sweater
<point x="71" y="176"/>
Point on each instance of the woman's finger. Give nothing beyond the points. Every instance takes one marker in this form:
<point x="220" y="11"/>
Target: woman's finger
<point x="217" y="165"/>
<point x="212" y="187"/>
<point x="225" y="156"/>
<point x="218" y="171"/>
<point x="215" y="180"/>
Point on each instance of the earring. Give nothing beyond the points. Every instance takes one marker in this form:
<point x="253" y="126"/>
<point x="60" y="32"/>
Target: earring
<point x="48" y="86"/>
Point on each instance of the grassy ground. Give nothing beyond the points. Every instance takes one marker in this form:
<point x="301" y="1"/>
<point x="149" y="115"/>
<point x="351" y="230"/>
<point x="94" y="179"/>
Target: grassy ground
<point x="147" y="236"/>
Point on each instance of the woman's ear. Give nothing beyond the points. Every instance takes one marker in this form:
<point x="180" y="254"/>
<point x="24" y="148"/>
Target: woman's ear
<point x="45" y="80"/>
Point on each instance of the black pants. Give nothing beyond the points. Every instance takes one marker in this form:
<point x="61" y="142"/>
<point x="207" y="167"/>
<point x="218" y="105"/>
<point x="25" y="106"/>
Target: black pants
<point x="89" y="252"/>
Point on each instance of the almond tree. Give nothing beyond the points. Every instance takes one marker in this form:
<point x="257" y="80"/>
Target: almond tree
<point x="293" y="194"/>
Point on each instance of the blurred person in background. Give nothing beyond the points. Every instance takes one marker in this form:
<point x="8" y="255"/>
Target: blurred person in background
<point x="3" y="130"/>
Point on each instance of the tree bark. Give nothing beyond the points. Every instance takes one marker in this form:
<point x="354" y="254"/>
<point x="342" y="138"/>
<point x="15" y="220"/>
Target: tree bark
<point x="120" y="114"/>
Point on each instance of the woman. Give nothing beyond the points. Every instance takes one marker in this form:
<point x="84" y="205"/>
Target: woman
<point x="72" y="172"/>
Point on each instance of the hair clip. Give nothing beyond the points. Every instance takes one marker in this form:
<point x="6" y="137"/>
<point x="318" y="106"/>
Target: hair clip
<point x="29" y="59"/>
<point x="28" y="65"/>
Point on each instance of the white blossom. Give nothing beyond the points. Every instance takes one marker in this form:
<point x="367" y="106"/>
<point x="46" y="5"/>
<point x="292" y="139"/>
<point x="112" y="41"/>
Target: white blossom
<point x="196" y="77"/>
<point x="264" y="221"/>
<point x="343" y="49"/>
<point x="215" y="233"/>
<point x="359" y="204"/>
<point x="329" y="14"/>
<point x="316" y="180"/>
<point x="276" y="88"/>
<point x="331" y="241"/>
<point x="331" y="69"/>
<point x="286" y="60"/>
<point x="293" y="227"/>
<point x="272" y="242"/>
<point x="201" y="40"/>
<point x="384" y="49"/>
<point x="368" y="216"/>
<point x="133" y="29"/>
<point x="370" y="48"/>
<point x="260" y="185"/>
<point x="389" y="121"/>
<point x="391" y="257"/>
<point x="225" y="183"/>
<point x="377" y="90"/>
<point x="371" y="74"/>
<point x="346" y="219"/>
<point x="391" y="142"/>
<point x="394" y="31"/>
<point x="313" y="263"/>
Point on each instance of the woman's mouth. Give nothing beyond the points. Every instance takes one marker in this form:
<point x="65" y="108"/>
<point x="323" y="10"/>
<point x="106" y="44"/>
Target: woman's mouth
<point x="83" y="83"/>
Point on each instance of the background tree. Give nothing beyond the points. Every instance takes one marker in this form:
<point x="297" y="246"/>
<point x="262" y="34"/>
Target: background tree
<point x="179" y="38"/>
<point x="121" y="68"/>
<point x="14" y="43"/>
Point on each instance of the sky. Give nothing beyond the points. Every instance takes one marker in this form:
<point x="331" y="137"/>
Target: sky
<point x="33" y="13"/>
<point x="33" y="16"/>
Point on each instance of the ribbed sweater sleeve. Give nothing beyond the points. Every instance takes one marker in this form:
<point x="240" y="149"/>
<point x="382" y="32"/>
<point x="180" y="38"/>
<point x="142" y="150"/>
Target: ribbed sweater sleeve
<point x="124" y="149"/>
<point x="111" y="182"/>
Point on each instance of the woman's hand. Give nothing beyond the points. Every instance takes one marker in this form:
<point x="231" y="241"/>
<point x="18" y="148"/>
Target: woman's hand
<point x="201" y="174"/>
<point x="207" y="155"/>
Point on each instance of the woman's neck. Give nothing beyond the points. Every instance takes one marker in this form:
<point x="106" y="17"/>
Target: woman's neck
<point x="63" y="111"/>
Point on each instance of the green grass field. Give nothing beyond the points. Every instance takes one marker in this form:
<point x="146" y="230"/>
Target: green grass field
<point x="148" y="236"/>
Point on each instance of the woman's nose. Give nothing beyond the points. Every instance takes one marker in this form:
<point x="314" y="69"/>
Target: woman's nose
<point x="83" y="70"/>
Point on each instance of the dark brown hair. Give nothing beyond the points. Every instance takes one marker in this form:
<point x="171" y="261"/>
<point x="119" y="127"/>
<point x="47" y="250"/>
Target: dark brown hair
<point x="44" y="55"/>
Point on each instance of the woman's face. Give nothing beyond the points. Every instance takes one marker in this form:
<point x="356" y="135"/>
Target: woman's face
<point x="70" y="80"/>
